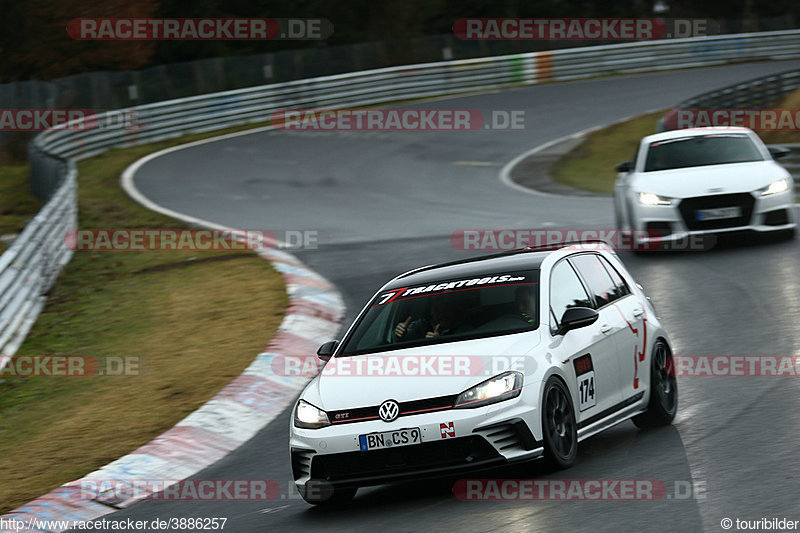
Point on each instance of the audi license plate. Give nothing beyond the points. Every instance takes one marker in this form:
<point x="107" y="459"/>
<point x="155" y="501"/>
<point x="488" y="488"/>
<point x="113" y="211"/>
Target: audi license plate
<point x="389" y="439"/>
<point x="719" y="213"/>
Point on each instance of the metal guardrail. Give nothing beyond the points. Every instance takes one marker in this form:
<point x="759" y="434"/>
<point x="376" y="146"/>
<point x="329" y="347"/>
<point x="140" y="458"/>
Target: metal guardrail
<point x="30" y="266"/>
<point x="219" y="110"/>
<point x="679" y="53"/>
<point x="24" y="278"/>
<point x="758" y="93"/>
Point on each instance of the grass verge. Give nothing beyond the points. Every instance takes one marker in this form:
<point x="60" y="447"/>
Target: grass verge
<point x="792" y="101"/>
<point x="194" y="324"/>
<point x="590" y="165"/>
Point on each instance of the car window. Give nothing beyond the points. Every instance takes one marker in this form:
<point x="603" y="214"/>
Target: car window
<point x="621" y="287"/>
<point x="600" y="283"/>
<point x="566" y="290"/>
<point x="447" y="310"/>
<point x="701" y="150"/>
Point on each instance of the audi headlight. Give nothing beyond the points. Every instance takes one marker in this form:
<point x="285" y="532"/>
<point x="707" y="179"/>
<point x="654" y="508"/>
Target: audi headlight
<point x="309" y="417"/>
<point x="497" y="389"/>
<point x="781" y="185"/>
<point x="648" y="198"/>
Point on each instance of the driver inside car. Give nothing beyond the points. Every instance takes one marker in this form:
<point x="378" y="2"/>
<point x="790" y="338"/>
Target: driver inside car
<point x="443" y="321"/>
<point x="526" y="303"/>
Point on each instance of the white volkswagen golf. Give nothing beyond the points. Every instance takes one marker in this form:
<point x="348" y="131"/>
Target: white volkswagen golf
<point x="479" y="363"/>
<point x="703" y="180"/>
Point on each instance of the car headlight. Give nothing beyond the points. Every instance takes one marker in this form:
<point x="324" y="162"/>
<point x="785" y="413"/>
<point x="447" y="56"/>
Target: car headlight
<point x="781" y="185"/>
<point x="497" y="389"/>
<point x="309" y="417"/>
<point x="648" y="198"/>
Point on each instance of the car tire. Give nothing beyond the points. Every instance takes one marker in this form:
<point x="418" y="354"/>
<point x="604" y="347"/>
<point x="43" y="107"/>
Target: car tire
<point x="559" y="429"/>
<point x="663" y="402"/>
<point x="325" y="494"/>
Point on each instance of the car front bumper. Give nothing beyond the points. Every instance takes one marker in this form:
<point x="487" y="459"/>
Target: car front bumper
<point x="453" y="441"/>
<point x="674" y="223"/>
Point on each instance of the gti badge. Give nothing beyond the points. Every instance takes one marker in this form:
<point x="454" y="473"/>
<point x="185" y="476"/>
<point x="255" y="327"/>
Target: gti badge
<point x="389" y="410"/>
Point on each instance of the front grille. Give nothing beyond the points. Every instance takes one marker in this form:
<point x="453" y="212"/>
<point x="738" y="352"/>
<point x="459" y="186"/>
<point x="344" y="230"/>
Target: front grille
<point x="779" y="217"/>
<point x="361" y="414"/>
<point x="428" y="404"/>
<point x="301" y="462"/>
<point x="460" y="451"/>
<point x="689" y="207"/>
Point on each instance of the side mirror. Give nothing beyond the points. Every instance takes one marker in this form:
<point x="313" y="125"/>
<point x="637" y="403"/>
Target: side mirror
<point x="627" y="166"/>
<point x="326" y="350"/>
<point x="575" y="318"/>
<point x="778" y="151"/>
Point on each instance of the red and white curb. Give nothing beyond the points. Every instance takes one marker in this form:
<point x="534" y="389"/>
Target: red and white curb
<point x="234" y="415"/>
<point x="228" y="420"/>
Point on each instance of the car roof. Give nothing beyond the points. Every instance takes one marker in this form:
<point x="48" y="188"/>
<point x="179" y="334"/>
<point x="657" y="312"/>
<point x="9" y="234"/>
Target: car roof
<point x="692" y="132"/>
<point x="485" y="265"/>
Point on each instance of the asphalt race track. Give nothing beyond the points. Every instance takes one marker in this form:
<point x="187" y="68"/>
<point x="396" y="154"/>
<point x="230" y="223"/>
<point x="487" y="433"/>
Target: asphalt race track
<point x="386" y="202"/>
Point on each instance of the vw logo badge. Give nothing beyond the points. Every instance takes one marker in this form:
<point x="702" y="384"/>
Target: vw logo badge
<point x="389" y="410"/>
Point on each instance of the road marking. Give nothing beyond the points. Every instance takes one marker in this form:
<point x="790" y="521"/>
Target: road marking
<point x="270" y="510"/>
<point x="476" y="163"/>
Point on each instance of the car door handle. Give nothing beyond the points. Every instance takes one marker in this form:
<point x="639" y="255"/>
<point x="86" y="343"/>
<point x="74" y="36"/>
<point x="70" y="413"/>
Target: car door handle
<point x="638" y="312"/>
<point x="606" y="329"/>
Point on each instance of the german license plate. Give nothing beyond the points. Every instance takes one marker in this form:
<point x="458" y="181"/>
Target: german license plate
<point x="389" y="439"/>
<point x="719" y="213"/>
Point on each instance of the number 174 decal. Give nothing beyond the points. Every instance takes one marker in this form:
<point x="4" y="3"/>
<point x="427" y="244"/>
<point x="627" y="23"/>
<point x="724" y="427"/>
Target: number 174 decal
<point x="584" y="371"/>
